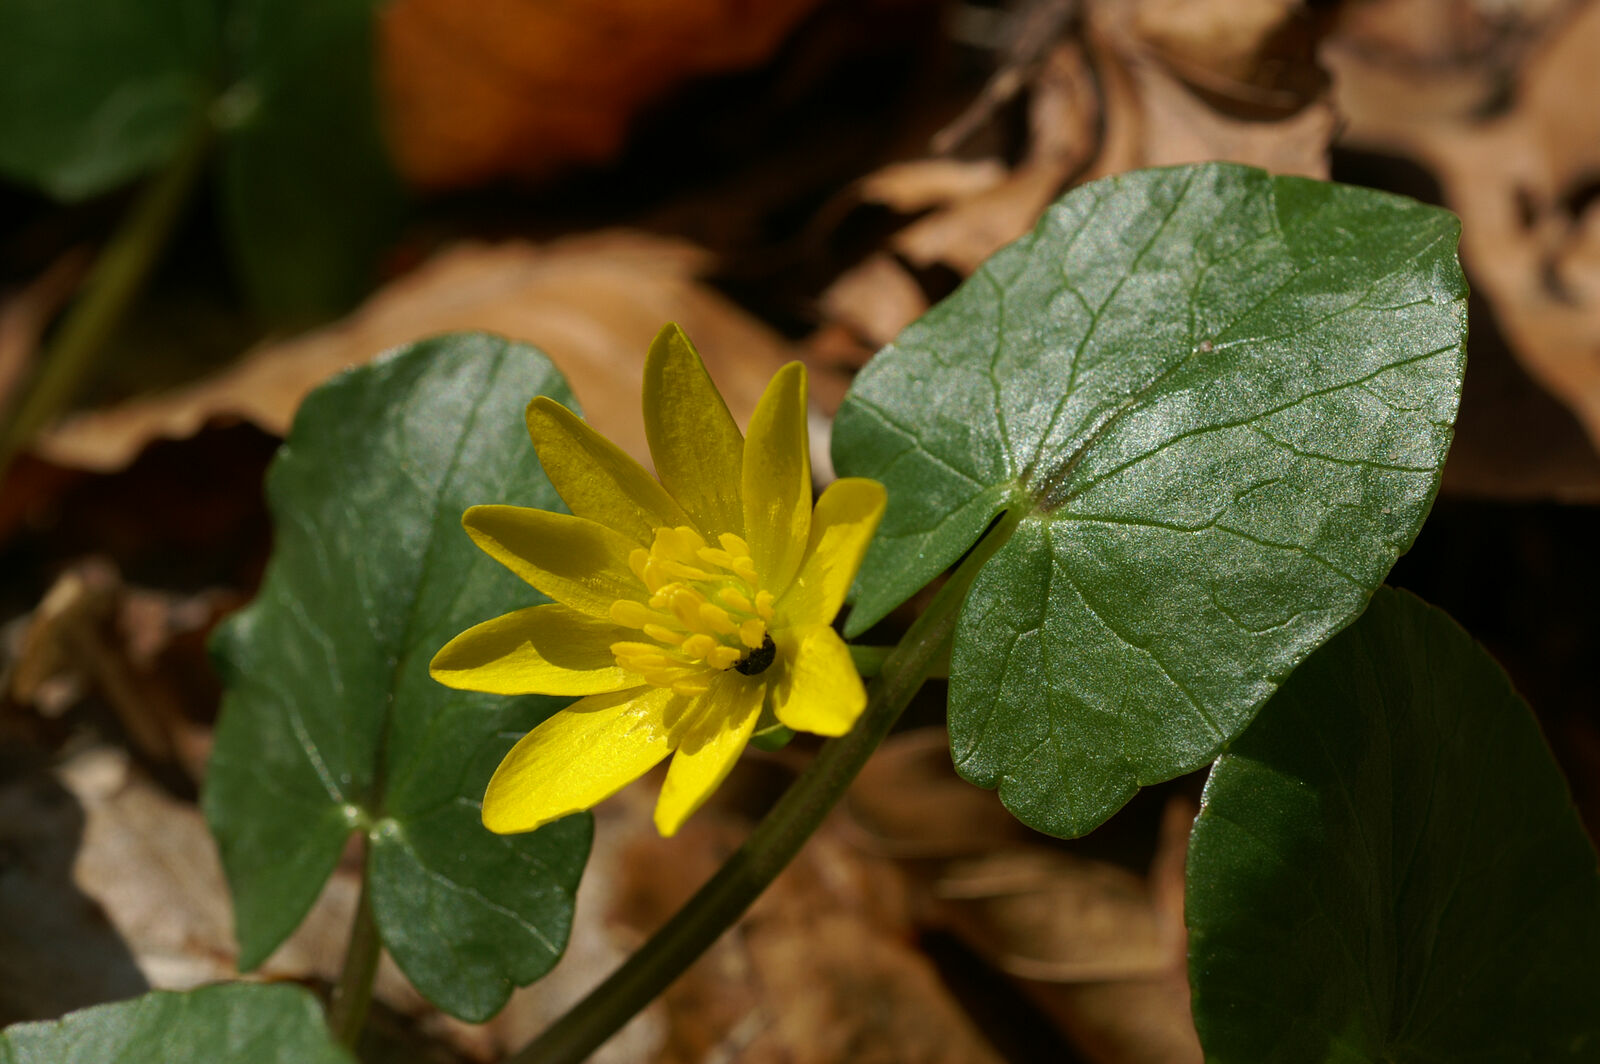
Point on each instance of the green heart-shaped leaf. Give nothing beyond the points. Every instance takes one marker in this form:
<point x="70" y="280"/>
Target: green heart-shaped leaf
<point x="1388" y="866"/>
<point x="94" y="93"/>
<point x="233" y="1023"/>
<point x="1221" y="400"/>
<point x="331" y="723"/>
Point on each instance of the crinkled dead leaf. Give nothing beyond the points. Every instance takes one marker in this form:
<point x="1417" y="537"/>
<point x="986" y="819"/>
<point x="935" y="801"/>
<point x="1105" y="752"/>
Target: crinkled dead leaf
<point x="1154" y="83"/>
<point x="875" y="299"/>
<point x="96" y="632"/>
<point x="1228" y="46"/>
<point x="823" y="968"/>
<point x="593" y="302"/>
<point x="1096" y="946"/>
<point x="1511" y="130"/>
<point x="122" y="892"/>
<point x="1154" y="119"/>
<point x="1063" y="113"/>
<point x="907" y="802"/>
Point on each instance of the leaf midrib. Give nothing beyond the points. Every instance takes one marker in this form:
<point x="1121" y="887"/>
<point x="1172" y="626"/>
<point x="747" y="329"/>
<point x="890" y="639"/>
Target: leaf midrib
<point x="1044" y="495"/>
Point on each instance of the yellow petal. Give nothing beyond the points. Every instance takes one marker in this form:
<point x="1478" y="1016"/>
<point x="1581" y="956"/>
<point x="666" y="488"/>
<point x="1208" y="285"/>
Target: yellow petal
<point x="713" y="735"/>
<point x="578" y="758"/>
<point x="574" y="561"/>
<point x="696" y="446"/>
<point x="547" y="650"/>
<point x="777" y="479"/>
<point x="847" y="515"/>
<point x="818" y="690"/>
<point x="596" y="477"/>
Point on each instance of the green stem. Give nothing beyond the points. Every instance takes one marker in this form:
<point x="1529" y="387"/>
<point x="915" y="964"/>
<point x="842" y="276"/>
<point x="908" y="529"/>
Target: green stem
<point x="113" y="283"/>
<point x="348" y="1010"/>
<point x="779" y="836"/>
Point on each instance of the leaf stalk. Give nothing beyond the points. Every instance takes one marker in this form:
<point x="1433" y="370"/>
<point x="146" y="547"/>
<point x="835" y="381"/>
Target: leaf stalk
<point x="347" y="1012"/>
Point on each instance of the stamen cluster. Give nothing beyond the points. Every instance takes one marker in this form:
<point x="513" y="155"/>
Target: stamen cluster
<point x="706" y="612"/>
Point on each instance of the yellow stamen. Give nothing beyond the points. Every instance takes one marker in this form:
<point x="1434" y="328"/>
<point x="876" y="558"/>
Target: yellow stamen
<point x="716" y="618"/>
<point x="703" y="611"/>
<point x="631" y="614"/>
<point x="724" y="657"/>
<point x="662" y="634"/>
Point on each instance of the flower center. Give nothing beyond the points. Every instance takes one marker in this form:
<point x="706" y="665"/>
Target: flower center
<point x="705" y="613"/>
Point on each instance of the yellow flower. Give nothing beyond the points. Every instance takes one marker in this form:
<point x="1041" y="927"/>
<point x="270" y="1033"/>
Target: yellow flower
<point x="682" y="608"/>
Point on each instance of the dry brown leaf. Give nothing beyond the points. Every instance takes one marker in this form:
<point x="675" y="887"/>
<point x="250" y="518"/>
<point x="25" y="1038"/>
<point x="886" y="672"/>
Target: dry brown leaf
<point x="1136" y="1021"/>
<point x="593" y="303"/>
<point x="1530" y="236"/>
<point x="156" y="911"/>
<point x="874" y="299"/>
<point x="523" y="87"/>
<point x="908" y="802"/>
<point x="1431" y="38"/>
<point x="918" y="184"/>
<point x="1050" y="916"/>
<point x="1218" y="40"/>
<point x="150" y="863"/>
<point x="1176" y="126"/>
<point x="1138" y="1017"/>
<point x="1062" y="138"/>
<point x="1153" y="118"/>
<point x="821" y="970"/>
<point x="1096" y="946"/>
<point x="1118" y="95"/>
<point x="93" y="629"/>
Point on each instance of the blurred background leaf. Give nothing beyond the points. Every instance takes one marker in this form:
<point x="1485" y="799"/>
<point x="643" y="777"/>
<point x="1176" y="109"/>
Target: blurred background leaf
<point x="95" y="93"/>
<point x="309" y="197"/>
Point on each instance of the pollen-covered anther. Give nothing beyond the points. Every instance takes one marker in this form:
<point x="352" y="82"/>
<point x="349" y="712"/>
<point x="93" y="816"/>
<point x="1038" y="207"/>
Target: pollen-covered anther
<point x="701" y="608"/>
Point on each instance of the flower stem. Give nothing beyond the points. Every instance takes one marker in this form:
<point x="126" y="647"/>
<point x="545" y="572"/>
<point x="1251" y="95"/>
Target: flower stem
<point x="118" y="274"/>
<point x="775" y="841"/>
<point x="348" y="1010"/>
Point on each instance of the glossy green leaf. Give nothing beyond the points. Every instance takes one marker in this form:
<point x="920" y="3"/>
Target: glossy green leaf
<point x="1222" y="400"/>
<point x="231" y="1023"/>
<point x="309" y="196"/>
<point x="1388" y="866"/>
<point x="94" y="93"/>
<point x="331" y="723"/>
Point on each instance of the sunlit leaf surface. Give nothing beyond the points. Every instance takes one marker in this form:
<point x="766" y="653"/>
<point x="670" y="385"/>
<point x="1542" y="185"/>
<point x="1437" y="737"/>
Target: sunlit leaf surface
<point x="1223" y="400"/>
